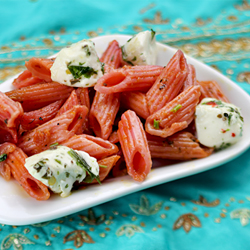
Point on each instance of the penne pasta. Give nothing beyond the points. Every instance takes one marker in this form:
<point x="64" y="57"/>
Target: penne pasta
<point x="175" y="115"/>
<point x="40" y="67"/>
<point x="106" y="165"/>
<point x="134" y="146"/>
<point x="180" y="146"/>
<point x="102" y="113"/>
<point x="168" y="84"/>
<point x="94" y="146"/>
<point x="69" y="104"/>
<point x="137" y="102"/>
<point x="32" y="186"/>
<point x="191" y="77"/>
<point x="113" y="138"/>
<point x="128" y="79"/>
<point x="212" y="89"/>
<point x="26" y="79"/>
<point x="5" y="149"/>
<point x="10" y="111"/>
<point x="39" y="95"/>
<point x="33" y="119"/>
<point x="112" y="56"/>
<point x="57" y="130"/>
<point x="7" y="134"/>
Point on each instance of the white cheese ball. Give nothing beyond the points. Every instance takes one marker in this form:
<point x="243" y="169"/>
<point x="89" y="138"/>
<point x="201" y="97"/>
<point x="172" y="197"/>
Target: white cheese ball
<point x="140" y="49"/>
<point x="77" y="65"/>
<point x="57" y="169"/>
<point x="218" y="124"/>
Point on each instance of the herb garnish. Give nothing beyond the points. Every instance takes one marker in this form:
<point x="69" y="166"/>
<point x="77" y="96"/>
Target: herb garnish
<point x="78" y="71"/>
<point x="176" y="108"/>
<point x="152" y="34"/>
<point x="83" y="164"/>
<point x="222" y="146"/>
<point x="3" y="157"/>
<point x="156" y="124"/>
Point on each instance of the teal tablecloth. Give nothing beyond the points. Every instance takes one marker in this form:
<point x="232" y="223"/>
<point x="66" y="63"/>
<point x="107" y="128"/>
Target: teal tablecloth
<point x="210" y="210"/>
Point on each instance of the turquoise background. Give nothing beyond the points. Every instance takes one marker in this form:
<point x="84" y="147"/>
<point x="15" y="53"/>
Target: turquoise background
<point x="215" y="32"/>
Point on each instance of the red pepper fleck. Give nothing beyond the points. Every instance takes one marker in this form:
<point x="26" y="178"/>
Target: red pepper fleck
<point x="233" y="134"/>
<point x="223" y="131"/>
<point x="213" y="104"/>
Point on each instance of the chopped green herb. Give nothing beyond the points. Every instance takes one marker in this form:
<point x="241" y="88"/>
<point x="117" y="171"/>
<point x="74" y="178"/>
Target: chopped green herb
<point x="152" y="34"/>
<point x="58" y="161"/>
<point x="134" y="59"/>
<point x="102" y="68"/>
<point x="3" y="157"/>
<point x="40" y="118"/>
<point x="218" y="102"/>
<point x="176" y="108"/>
<point x="48" y="174"/>
<point x="54" y="145"/>
<point x="67" y="174"/>
<point x="78" y="71"/>
<point x="83" y="164"/>
<point x="102" y="166"/>
<point x="39" y="165"/>
<point x="6" y="121"/>
<point x="112" y="58"/>
<point x="66" y="186"/>
<point x="229" y="118"/>
<point x="156" y="124"/>
<point x="222" y="146"/>
<point x="86" y="47"/>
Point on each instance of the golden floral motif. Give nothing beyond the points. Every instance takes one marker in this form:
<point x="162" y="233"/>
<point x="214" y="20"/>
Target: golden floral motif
<point x="91" y="219"/>
<point x="145" y="9"/>
<point x="232" y="18"/>
<point x="187" y="221"/>
<point x="244" y="6"/>
<point x="79" y="237"/>
<point x="157" y="19"/>
<point x="203" y="202"/>
<point x="244" y="77"/>
<point x="202" y="22"/>
<point x="48" y="42"/>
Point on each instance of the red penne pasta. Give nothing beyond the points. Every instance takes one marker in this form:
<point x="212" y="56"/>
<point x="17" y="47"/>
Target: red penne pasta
<point x="32" y="186"/>
<point x="112" y="55"/>
<point x="5" y="149"/>
<point x="113" y="138"/>
<point x="168" y="84"/>
<point x="191" y="77"/>
<point x="40" y="67"/>
<point x="26" y="79"/>
<point x="106" y="165"/>
<point x="212" y="89"/>
<point x="102" y="113"/>
<point x="83" y="96"/>
<point x="128" y="78"/>
<point x="175" y="115"/>
<point x="180" y="146"/>
<point x="33" y="119"/>
<point x="120" y="168"/>
<point x="70" y="103"/>
<point x="134" y="146"/>
<point x="137" y="102"/>
<point x="9" y="111"/>
<point x="57" y="130"/>
<point x="7" y="134"/>
<point x="94" y="146"/>
<point x="39" y="95"/>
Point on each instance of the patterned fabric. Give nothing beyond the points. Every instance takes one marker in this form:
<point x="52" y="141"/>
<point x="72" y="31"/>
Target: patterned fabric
<point x="210" y="210"/>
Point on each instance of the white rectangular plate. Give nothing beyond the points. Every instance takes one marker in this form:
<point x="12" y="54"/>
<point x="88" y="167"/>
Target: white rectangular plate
<point x="17" y="208"/>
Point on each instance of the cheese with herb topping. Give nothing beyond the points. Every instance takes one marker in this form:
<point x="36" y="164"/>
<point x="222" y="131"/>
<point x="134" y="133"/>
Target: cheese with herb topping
<point x="140" y="49"/>
<point x="60" y="167"/>
<point x="77" y="65"/>
<point x="218" y="124"/>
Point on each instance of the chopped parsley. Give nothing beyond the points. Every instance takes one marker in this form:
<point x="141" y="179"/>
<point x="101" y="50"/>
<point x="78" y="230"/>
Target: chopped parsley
<point x="176" y="108"/>
<point x="222" y="146"/>
<point x="156" y="124"/>
<point x="3" y="157"/>
<point x="78" y="71"/>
